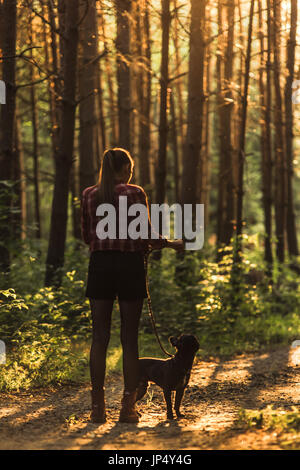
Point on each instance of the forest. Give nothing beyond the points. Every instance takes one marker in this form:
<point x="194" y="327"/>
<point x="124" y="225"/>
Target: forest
<point x="204" y="94"/>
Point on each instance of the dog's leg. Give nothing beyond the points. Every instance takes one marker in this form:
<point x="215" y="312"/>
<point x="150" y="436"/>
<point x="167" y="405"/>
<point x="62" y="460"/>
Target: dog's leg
<point x="178" y="398"/>
<point x="168" y="398"/>
<point x="141" y="390"/>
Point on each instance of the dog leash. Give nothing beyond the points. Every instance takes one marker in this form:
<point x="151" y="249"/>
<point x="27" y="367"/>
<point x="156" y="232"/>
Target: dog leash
<point x="150" y="311"/>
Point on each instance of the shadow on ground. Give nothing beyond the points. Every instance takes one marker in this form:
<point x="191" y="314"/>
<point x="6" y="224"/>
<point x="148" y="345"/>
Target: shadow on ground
<point x="58" y="418"/>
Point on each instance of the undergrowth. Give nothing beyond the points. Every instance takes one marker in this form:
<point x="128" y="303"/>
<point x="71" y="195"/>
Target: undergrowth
<point x="286" y="424"/>
<point x="272" y="418"/>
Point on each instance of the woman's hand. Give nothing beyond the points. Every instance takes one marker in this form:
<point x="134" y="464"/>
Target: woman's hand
<point x="177" y="245"/>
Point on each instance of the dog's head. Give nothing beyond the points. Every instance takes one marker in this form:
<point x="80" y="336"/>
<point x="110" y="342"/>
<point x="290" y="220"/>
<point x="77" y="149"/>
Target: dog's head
<point x="188" y="343"/>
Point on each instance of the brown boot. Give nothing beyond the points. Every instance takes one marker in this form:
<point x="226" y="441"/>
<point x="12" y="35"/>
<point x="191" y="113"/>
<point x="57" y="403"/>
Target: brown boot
<point x="98" y="414"/>
<point x="128" y="413"/>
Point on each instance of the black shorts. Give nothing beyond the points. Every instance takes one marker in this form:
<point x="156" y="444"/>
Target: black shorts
<point x="116" y="273"/>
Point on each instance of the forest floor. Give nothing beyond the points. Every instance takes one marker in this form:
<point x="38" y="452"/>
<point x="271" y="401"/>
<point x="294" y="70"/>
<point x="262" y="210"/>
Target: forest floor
<point x="58" y="417"/>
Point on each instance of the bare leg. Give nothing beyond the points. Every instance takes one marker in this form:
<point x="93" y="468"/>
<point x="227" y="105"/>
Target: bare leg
<point x="130" y="311"/>
<point x="101" y="321"/>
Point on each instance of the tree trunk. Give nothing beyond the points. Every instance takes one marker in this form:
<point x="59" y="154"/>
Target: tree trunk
<point x="7" y="117"/>
<point x="55" y="85"/>
<point x="144" y="93"/>
<point x="35" y="147"/>
<point x="63" y="163"/>
<point x="280" y="164"/>
<point x="290" y="66"/>
<point x="134" y="26"/>
<point x="161" y="164"/>
<point x="179" y="95"/>
<point x="228" y="108"/>
<point x="225" y="129"/>
<point x="87" y="84"/>
<point x="76" y="215"/>
<point x="241" y="154"/>
<point x="174" y="139"/>
<point x="219" y="112"/>
<point x="195" y="105"/>
<point x="237" y="113"/>
<point x="123" y="72"/>
<point x="101" y="124"/>
<point x="109" y="74"/>
<point x="20" y="218"/>
<point x="266" y="141"/>
<point x="204" y="195"/>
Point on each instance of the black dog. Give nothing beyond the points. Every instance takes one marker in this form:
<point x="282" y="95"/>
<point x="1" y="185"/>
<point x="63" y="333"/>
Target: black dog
<point x="170" y="374"/>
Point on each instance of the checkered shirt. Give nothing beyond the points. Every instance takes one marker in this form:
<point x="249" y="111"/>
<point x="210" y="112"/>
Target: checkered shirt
<point x="135" y="195"/>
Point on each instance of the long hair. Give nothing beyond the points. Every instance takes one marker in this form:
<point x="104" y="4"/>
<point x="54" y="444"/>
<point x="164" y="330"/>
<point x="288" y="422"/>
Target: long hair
<point x="112" y="163"/>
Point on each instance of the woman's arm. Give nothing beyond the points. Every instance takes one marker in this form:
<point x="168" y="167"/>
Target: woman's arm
<point x="160" y="242"/>
<point x="177" y="245"/>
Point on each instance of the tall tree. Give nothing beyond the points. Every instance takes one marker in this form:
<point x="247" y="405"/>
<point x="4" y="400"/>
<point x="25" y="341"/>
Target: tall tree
<point x="174" y="138"/>
<point x="280" y="159"/>
<point x="228" y="148"/>
<point x="144" y="91"/>
<point x="290" y="66"/>
<point x="112" y="112"/>
<point x="101" y="121"/>
<point x="242" y="137"/>
<point x="135" y="62"/>
<point x="161" y="164"/>
<point x="181" y="128"/>
<point x="123" y="71"/>
<point x="225" y="112"/>
<point x="87" y="78"/>
<point x="64" y="156"/>
<point x="7" y="123"/>
<point x="204" y="194"/>
<point x="52" y="64"/>
<point x="35" y="137"/>
<point x="266" y="140"/>
<point x="195" y="103"/>
<point x="20" y="214"/>
<point x="219" y="111"/>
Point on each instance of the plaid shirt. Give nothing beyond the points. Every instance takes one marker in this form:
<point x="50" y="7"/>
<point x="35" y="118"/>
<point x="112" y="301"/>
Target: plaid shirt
<point x="89" y="220"/>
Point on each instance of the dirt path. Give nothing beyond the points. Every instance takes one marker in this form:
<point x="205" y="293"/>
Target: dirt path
<point x="58" y="418"/>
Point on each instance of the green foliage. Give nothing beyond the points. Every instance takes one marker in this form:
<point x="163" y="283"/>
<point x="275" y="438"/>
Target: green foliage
<point x="236" y="314"/>
<point x="271" y="418"/>
<point x="223" y="305"/>
<point x="39" y="332"/>
<point x="38" y="357"/>
<point x="13" y="312"/>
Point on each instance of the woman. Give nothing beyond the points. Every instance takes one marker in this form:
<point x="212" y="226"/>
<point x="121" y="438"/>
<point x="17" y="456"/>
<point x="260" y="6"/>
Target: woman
<point x="116" y="268"/>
